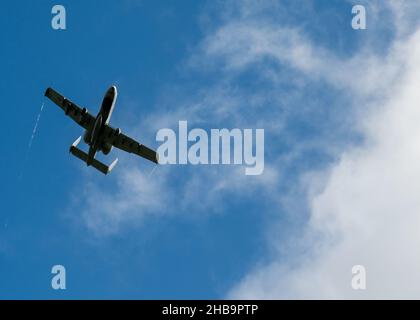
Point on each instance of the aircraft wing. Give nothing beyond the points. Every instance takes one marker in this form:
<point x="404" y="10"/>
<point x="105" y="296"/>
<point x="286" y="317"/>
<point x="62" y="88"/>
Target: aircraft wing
<point x="123" y="142"/>
<point x="80" y="115"/>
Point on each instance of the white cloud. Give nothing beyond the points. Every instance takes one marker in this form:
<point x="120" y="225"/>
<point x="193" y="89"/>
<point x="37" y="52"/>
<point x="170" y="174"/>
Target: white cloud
<point x="363" y="210"/>
<point x="368" y="211"/>
<point x="221" y="103"/>
<point x="136" y="195"/>
<point x="245" y="43"/>
<point x="405" y="15"/>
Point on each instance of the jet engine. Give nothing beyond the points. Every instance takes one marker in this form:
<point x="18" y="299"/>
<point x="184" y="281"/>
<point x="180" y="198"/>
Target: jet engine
<point x="87" y="137"/>
<point x="106" y="148"/>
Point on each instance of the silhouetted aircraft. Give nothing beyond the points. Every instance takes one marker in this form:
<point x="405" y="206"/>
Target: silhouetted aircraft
<point x="99" y="135"/>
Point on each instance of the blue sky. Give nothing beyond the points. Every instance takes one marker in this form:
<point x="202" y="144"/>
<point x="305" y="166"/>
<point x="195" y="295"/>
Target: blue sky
<point x="138" y="47"/>
<point x="205" y="228"/>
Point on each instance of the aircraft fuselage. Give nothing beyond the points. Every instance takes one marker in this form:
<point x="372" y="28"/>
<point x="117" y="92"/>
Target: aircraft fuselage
<point x="104" y="116"/>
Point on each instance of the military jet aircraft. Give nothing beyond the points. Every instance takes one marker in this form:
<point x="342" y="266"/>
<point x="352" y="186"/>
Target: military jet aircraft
<point x="99" y="135"/>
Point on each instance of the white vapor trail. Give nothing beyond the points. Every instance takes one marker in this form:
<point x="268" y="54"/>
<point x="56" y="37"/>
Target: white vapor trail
<point x="31" y="141"/>
<point x="35" y="127"/>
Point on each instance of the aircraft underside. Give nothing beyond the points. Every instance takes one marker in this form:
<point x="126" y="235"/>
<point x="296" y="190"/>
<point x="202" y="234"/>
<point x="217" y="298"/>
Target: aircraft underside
<point x="99" y="135"/>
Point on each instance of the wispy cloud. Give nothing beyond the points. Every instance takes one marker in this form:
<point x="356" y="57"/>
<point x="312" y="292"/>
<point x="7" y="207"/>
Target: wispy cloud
<point x="136" y="195"/>
<point x="364" y="209"/>
<point x="274" y="100"/>
<point x="358" y="206"/>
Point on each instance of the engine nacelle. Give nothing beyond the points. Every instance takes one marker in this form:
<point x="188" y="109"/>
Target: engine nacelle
<point x="106" y="148"/>
<point x="87" y="137"/>
<point x="84" y="111"/>
<point x="117" y="131"/>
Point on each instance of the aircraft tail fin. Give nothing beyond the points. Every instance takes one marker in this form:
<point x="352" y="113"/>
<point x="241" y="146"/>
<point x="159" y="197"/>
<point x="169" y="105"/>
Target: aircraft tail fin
<point x="95" y="163"/>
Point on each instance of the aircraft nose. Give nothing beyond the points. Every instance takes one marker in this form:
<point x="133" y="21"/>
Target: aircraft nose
<point x="112" y="92"/>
